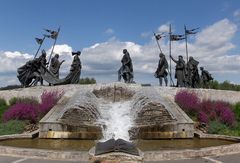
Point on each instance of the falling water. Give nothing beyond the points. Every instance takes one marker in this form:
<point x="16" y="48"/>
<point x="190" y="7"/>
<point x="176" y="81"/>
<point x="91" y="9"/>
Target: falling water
<point x="116" y="119"/>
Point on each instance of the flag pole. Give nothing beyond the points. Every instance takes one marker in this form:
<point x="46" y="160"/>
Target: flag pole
<point x="55" y="40"/>
<point x="185" y="29"/>
<point x="39" y="47"/>
<point x="170" y="74"/>
<point x="157" y="42"/>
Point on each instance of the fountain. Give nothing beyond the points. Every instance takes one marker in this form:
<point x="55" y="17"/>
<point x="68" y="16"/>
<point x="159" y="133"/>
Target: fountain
<point x="116" y="111"/>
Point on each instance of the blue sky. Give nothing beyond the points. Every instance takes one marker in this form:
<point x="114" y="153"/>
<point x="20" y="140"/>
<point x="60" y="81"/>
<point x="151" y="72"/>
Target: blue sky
<point x="85" y="23"/>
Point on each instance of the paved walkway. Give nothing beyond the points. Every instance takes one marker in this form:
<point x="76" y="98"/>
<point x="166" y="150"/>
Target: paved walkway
<point x="10" y="159"/>
<point x="234" y="158"/>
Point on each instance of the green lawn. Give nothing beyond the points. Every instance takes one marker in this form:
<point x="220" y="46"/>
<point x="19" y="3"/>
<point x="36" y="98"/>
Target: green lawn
<point x="12" y="127"/>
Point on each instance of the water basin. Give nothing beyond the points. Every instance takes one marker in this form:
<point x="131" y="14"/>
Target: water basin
<point x="179" y="144"/>
<point x="50" y="144"/>
<point x="144" y="145"/>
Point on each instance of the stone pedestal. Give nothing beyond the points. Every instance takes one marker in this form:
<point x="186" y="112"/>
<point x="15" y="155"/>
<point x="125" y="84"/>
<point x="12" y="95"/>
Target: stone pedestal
<point x="114" y="157"/>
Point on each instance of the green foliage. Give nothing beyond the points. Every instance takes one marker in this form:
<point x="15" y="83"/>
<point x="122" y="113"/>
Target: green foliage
<point x="26" y="100"/>
<point x="3" y="102"/>
<point x="3" y="107"/>
<point x="2" y="110"/>
<point x="87" y="81"/>
<point x="214" y="84"/>
<point x="236" y="110"/>
<point x="12" y="127"/>
<point x="226" y="85"/>
<point x="225" y="130"/>
<point x="216" y="127"/>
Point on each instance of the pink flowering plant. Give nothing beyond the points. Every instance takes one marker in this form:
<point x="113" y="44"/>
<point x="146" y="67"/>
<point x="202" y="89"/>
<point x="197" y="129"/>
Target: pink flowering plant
<point x="32" y="111"/>
<point x="188" y="101"/>
<point x="205" y="110"/>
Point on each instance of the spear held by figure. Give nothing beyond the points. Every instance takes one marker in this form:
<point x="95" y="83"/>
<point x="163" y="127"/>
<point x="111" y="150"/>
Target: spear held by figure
<point x="188" y="32"/>
<point x="40" y="42"/>
<point x="53" y="35"/>
<point x="158" y="37"/>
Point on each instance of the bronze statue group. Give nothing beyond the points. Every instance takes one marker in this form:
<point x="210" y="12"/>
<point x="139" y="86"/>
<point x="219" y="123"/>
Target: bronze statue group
<point x="187" y="74"/>
<point x="39" y="70"/>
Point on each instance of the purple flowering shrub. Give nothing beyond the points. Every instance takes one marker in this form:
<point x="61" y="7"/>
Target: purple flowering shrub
<point x="33" y="111"/>
<point x="205" y="110"/>
<point x="203" y="117"/>
<point x="48" y="100"/>
<point x="21" y="111"/>
<point x="188" y="101"/>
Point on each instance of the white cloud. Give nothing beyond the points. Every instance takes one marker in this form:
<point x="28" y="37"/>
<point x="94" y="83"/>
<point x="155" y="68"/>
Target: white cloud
<point x="10" y="61"/>
<point x="218" y="34"/>
<point x="61" y="49"/>
<point x="109" y="31"/>
<point x="212" y="47"/>
<point x="164" y="28"/>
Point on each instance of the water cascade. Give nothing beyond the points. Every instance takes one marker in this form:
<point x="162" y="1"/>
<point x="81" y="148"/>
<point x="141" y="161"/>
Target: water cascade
<point x="116" y="119"/>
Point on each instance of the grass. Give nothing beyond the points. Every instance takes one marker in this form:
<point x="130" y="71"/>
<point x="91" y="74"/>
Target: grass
<point x="12" y="127"/>
<point x="2" y="110"/>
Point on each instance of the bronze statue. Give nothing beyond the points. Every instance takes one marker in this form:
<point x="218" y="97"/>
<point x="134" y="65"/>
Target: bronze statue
<point x="30" y="73"/>
<point x="161" y="71"/>
<point x="192" y="75"/>
<point x="179" y="71"/>
<point x="126" y="70"/>
<point x="206" y="77"/>
<point x="55" y="65"/>
<point x="75" y="71"/>
<point x="42" y="67"/>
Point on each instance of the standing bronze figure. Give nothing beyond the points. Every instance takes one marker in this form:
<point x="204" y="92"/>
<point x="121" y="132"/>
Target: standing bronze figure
<point x="179" y="71"/>
<point x="206" y="77"/>
<point x="75" y="71"/>
<point x="55" y="65"/>
<point x="192" y="78"/>
<point x="161" y="71"/>
<point x="126" y="70"/>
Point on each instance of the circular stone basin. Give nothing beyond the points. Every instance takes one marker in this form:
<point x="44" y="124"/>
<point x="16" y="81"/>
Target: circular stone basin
<point x="51" y="144"/>
<point x="178" y="144"/>
<point x="143" y="145"/>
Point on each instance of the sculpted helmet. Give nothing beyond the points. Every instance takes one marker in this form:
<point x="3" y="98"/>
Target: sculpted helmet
<point x="57" y="55"/>
<point x="124" y="51"/>
<point x="161" y="55"/>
